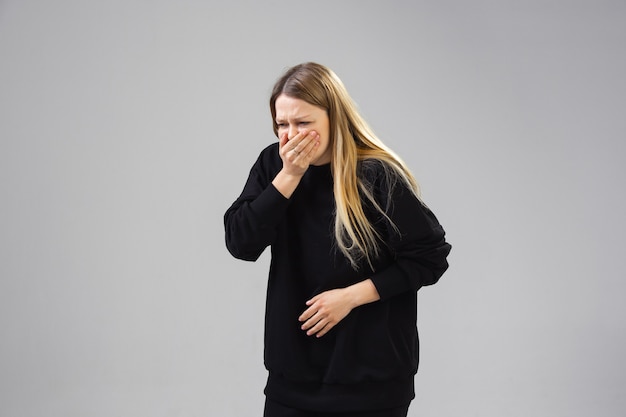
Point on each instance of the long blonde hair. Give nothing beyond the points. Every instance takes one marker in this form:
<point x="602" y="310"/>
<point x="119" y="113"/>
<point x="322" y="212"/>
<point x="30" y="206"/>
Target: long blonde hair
<point x="352" y="142"/>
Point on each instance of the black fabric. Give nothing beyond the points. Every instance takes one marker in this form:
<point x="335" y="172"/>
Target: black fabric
<point x="274" y="409"/>
<point x="369" y="359"/>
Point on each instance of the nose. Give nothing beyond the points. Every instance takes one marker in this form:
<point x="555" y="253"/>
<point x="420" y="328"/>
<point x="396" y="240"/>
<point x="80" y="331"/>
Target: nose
<point x="293" y="131"/>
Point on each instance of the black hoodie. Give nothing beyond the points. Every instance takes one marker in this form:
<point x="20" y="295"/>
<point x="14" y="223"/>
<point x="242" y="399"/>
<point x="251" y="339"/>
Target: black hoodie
<point x="368" y="360"/>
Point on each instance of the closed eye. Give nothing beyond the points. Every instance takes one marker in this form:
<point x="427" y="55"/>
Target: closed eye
<point x="284" y="125"/>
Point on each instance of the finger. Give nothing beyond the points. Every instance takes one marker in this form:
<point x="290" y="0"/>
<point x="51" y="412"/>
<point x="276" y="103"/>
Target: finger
<point x="314" y="320"/>
<point x="310" y="148"/>
<point x="308" y="313"/>
<point x="325" y="330"/>
<point x="282" y="145"/>
<point x="320" y="329"/>
<point x="294" y="141"/>
<point x="300" y="145"/>
<point x="294" y="153"/>
<point x="282" y="141"/>
<point x="310" y="323"/>
<point x="314" y="299"/>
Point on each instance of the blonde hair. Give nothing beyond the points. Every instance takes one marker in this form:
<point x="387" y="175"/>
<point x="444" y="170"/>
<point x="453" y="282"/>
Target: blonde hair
<point x="352" y="142"/>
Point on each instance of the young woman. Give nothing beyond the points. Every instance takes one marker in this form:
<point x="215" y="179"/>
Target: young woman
<point x="351" y="244"/>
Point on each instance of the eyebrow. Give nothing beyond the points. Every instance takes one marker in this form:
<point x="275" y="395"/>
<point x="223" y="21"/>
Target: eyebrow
<point x="297" y="119"/>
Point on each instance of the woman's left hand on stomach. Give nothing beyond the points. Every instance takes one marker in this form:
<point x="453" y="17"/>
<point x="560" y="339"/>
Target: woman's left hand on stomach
<point x="325" y="310"/>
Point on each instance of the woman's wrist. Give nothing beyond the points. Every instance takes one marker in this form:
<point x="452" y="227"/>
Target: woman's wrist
<point x="361" y="293"/>
<point x="286" y="183"/>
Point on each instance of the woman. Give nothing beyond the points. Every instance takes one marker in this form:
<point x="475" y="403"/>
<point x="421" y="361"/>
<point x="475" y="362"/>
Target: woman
<point x="351" y="244"/>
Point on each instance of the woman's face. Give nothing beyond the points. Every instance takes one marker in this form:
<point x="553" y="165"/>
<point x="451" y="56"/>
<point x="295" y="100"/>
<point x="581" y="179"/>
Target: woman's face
<point x="294" y="115"/>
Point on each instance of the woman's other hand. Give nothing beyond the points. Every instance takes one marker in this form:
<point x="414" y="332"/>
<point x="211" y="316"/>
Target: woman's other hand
<point x="328" y="308"/>
<point x="298" y="152"/>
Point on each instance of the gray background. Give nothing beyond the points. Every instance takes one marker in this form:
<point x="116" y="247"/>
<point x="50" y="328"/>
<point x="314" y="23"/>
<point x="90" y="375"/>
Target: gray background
<point x="128" y="127"/>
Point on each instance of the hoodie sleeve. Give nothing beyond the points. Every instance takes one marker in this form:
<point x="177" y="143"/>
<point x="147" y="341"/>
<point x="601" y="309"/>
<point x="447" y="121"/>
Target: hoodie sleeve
<point x="251" y="221"/>
<point x="417" y="243"/>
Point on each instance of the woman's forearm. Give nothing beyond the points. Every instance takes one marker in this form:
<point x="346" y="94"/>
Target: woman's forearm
<point x="363" y="292"/>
